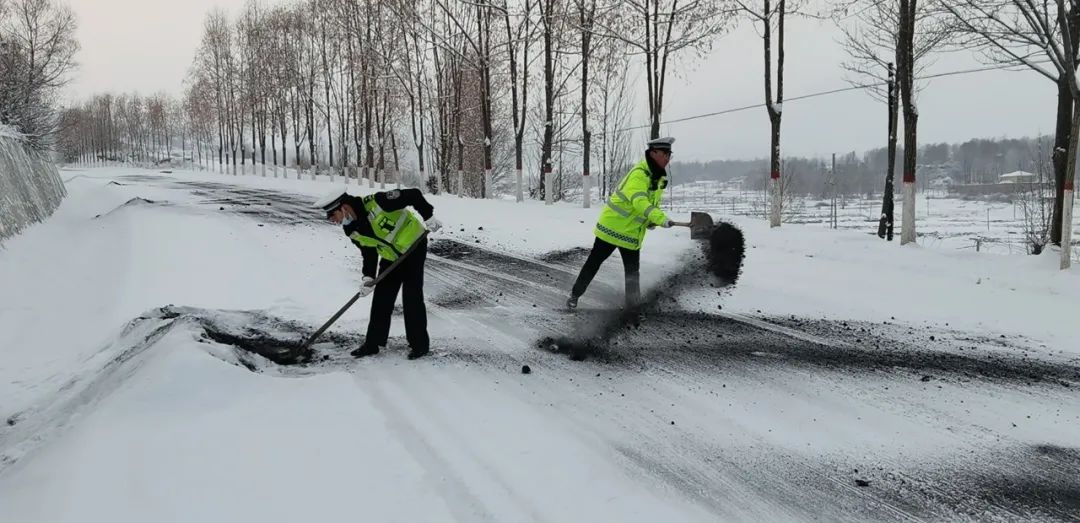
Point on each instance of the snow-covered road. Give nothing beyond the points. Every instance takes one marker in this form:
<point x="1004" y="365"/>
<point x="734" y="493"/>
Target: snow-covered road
<point x="691" y="416"/>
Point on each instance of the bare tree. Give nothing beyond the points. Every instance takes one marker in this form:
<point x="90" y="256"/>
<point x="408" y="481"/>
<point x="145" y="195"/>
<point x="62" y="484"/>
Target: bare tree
<point x="548" y="21"/>
<point x="661" y="29"/>
<point x="156" y="119"/>
<point x="586" y="10"/>
<point x="1036" y="200"/>
<point x="871" y="39"/>
<point x="198" y="104"/>
<point x="1032" y="35"/>
<point x="519" y="36"/>
<point x="771" y="18"/>
<point x="37" y="54"/>
<point x="615" y="108"/>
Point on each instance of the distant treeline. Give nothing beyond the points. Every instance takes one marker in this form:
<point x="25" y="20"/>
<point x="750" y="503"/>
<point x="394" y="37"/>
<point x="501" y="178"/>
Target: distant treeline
<point x="974" y="161"/>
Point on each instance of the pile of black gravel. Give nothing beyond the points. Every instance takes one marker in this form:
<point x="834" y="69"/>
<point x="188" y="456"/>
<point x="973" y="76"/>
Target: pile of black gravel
<point x="719" y="263"/>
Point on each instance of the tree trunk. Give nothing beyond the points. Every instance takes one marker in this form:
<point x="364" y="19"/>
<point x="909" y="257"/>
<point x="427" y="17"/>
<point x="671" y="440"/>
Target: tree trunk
<point x="1060" y="155"/>
<point x="775" y="110"/>
<point x="911" y="117"/>
<point x="650" y="73"/>
<point x="549" y="103"/>
<point x="254" y="140"/>
<point x="885" y="225"/>
<point x="586" y="34"/>
<point x="310" y="113"/>
<point x="1067" y="200"/>
<point x="517" y="117"/>
<point x="326" y="86"/>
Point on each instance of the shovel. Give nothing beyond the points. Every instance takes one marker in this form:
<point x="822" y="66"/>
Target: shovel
<point x="701" y="225"/>
<point x="306" y="347"/>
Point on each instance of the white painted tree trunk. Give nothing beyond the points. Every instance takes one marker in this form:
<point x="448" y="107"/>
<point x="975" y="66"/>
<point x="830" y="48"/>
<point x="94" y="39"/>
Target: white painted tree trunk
<point x="777" y="198"/>
<point x="490" y="193"/>
<point x="461" y="184"/>
<point x="1066" y="227"/>
<point x="548" y="199"/>
<point x="907" y="233"/>
<point x="382" y="179"/>
<point x="370" y="177"/>
<point x="586" y="191"/>
<point x="520" y="189"/>
<point x="262" y="167"/>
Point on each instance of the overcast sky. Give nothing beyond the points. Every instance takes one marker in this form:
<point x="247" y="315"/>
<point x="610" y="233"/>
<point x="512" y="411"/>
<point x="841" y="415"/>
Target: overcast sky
<point x="147" y="46"/>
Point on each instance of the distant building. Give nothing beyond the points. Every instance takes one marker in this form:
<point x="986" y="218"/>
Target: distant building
<point x="1017" y="177"/>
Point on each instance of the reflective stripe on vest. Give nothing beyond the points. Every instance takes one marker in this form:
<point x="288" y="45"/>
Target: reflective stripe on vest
<point x="624" y="213"/>
<point x="397" y="227"/>
<point x="616" y="235"/>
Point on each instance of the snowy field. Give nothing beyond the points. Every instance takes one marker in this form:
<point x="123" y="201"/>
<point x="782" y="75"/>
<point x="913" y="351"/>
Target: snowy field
<point x="992" y="227"/>
<point x="843" y="378"/>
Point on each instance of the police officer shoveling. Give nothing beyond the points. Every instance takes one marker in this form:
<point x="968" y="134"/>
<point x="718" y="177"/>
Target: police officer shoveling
<point x="393" y="243"/>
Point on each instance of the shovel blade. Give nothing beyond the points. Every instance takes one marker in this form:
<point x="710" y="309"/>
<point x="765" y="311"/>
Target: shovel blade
<point x="701" y="225"/>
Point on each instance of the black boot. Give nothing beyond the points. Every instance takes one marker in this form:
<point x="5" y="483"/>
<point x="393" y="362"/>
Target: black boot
<point x="365" y="350"/>
<point x="418" y="352"/>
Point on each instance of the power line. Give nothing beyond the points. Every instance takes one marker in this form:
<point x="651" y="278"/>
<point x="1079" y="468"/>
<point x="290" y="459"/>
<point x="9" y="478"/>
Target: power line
<point x="831" y="91"/>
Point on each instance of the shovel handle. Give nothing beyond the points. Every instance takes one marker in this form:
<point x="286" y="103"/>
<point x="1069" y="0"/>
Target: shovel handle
<point x="680" y="224"/>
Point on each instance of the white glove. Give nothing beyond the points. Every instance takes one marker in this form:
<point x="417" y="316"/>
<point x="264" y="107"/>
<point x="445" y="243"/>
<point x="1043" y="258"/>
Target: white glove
<point x="667" y="223"/>
<point x="367" y="286"/>
<point x="433" y="224"/>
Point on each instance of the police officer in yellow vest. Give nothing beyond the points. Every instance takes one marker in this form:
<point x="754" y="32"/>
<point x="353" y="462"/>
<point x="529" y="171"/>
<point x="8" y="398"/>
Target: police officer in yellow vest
<point x="382" y="227"/>
<point x="633" y="208"/>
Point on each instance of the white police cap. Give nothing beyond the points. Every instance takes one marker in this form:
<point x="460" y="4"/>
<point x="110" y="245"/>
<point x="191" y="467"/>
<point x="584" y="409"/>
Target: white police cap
<point x="663" y="144"/>
<point x="331" y="200"/>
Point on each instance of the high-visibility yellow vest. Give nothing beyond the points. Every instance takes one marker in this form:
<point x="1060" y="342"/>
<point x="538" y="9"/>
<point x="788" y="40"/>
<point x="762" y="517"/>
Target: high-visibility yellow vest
<point x="632" y="207"/>
<point x="395" y="231"/>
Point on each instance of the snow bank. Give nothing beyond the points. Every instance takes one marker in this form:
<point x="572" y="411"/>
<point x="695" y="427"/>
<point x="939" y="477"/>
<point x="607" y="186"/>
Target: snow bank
<point x="30" y="185"/>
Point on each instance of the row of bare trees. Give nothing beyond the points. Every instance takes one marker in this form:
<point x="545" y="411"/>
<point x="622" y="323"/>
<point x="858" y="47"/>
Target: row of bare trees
<point x="472" y="97"/>
<point x="483" y="96"/>
<point x="132" y="128"/>
<point x="37" y="50"/>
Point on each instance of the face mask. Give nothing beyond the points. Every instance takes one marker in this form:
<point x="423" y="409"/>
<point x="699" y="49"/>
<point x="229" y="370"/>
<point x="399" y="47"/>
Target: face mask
<point x="346" y="221"/>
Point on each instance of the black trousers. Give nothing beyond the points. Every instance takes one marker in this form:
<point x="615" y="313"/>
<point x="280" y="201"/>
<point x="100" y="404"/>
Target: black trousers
<point x="409" y="277"/>
<point x="601" y="250"/>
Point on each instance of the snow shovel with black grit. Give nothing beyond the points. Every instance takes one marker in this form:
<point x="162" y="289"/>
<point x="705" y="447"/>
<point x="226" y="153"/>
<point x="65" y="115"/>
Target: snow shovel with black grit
<point x="701" y="225"/>
<point x="306" y="347"/>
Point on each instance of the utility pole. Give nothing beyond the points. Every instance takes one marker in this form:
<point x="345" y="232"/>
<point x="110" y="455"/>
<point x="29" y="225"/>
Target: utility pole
<point x="832" y="180"/>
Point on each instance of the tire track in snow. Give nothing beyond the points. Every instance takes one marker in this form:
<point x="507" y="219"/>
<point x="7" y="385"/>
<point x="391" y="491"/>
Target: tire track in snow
<point x="456" y="493"/>
<point x="427" y="411"/>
